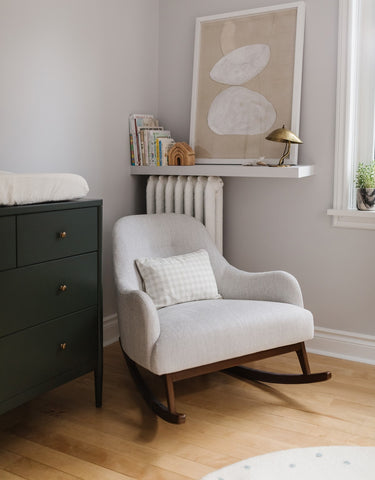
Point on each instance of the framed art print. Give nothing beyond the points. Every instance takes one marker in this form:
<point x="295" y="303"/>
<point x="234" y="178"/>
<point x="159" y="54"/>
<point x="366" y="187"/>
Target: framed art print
<point x="246" y="82"/>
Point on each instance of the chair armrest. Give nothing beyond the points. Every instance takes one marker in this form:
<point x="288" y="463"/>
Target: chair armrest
<point x="139" y="325"/>
<point x="277" y="286"/>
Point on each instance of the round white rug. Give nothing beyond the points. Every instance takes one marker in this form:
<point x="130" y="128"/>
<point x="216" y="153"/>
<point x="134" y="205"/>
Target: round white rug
<point x="314" y="463"/>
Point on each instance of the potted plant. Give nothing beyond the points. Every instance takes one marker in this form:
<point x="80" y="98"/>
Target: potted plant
<point x="365" y="184"/>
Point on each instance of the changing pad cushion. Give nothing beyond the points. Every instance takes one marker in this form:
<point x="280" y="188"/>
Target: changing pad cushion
<point x="25" y="188"/>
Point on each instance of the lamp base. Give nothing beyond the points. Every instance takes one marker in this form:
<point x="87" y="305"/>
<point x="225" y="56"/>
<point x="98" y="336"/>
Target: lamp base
<point x="263" y="164"/>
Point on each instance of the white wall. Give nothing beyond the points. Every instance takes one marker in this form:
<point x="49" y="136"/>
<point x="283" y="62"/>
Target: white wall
<point x="274" y="223"/>
<point x="71" y="71"/>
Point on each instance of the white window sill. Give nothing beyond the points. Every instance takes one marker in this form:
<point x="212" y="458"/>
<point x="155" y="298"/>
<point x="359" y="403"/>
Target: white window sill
<point x="352" y="218"/>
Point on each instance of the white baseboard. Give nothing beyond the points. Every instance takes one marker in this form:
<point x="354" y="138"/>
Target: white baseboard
<point x="341" y="344"/>
<point x="110" y="330"/>
<point x="332" y="343"/>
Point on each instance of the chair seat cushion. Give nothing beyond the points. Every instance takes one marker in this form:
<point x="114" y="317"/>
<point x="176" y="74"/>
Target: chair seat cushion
<point x="203" y="332"/>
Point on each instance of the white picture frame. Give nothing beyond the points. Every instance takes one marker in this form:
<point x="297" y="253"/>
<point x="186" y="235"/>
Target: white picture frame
<point x="267" y="35"/>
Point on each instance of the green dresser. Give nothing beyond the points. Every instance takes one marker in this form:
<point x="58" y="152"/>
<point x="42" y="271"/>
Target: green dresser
<point x="51" y="322"/>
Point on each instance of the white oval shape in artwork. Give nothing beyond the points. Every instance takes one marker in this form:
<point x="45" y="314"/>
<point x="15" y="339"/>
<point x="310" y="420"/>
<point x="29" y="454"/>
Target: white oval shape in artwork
<point x="241" y="65"/>
<point x="240" y="111"/>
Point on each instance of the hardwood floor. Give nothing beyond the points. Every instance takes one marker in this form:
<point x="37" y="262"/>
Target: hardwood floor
<point x="62" y="436"/>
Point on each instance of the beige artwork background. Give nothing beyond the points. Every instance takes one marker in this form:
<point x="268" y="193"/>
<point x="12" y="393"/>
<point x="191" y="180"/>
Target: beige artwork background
<point x="276" y="29"/>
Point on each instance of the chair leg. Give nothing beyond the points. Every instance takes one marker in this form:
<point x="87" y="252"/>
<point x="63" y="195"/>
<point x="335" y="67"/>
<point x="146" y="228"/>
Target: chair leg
<point x="168" y="414"/>
<point x="169" y="387"/>
<point x="303" y="360"/>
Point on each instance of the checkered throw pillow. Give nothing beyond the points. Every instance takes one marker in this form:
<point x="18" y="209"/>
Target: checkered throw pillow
<point x="182" y="278"/>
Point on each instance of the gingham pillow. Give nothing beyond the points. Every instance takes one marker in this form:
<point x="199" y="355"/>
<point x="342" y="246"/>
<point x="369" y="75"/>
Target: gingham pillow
<point x="182" y="278"/>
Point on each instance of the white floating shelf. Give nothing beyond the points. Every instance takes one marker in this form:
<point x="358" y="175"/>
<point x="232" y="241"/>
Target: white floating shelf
<point x="295" y="171"/>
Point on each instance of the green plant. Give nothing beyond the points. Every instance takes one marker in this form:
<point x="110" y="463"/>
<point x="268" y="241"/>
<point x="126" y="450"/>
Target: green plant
<point x="365" y="176"/>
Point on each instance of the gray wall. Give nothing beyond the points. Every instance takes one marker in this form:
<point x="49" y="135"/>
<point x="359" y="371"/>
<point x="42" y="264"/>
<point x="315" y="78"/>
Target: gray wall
<point x="275" y="223"/>
<point x="71" y="71"/>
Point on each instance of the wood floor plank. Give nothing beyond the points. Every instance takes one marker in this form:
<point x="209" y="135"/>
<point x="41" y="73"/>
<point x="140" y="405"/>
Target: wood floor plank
<point x="7" y="458"/>
<point x="62" y="436"/>
<point x="34" y="470"/>
<point x="104" y="450"/>
<point x="19" y="446"/>
<point x="4" y="475"/>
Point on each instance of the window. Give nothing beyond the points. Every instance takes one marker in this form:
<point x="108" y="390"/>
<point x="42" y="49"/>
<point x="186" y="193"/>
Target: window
<point x="355" y="108"/>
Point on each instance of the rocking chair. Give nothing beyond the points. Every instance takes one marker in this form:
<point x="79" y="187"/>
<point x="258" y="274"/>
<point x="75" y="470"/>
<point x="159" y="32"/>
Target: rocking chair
<point x="260" y="315"/>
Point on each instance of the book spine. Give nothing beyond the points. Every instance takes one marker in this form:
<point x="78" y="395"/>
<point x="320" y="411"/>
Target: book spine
<point x="132" y="161"/>
<point x="157" y="149"/>
<point x="164" y="154"/>
<point x="138" y="143"/>
<point x="142" y="136"/>
<point x="160" y="152"/>
<point x="151" y="149"/>
<point x="135" y="148"/>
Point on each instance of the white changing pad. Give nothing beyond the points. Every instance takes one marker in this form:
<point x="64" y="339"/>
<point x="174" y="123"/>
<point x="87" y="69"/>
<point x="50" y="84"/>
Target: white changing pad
<point x="25" y="188"/>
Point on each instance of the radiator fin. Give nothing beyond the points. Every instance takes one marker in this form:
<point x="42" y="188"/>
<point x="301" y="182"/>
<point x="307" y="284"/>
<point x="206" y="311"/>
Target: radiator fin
<point x="199" y="197"/>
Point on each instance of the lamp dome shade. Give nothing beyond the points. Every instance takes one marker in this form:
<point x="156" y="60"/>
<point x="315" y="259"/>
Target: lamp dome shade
<point x="283" y="135"/>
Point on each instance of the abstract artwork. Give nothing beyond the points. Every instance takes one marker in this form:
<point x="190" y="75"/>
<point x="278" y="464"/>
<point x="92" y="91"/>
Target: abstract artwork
<point x="246" y="82"/>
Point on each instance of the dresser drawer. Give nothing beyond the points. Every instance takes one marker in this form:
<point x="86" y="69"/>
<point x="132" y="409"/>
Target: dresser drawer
<point x="50" y="235"/>
<point x="37" y="293"/>
<point x="41" y="353"/>
<point x="7" y="242"/>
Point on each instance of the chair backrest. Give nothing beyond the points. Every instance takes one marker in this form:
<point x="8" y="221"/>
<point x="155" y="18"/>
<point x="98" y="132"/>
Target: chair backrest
<point x="158" y="235"/>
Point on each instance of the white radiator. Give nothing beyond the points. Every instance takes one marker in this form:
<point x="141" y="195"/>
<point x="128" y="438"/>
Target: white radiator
<point x="200" y="197"/>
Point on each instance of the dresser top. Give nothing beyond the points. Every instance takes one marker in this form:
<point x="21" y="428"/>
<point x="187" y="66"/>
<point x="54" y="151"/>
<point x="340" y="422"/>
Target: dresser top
<point x="49" y="206"/>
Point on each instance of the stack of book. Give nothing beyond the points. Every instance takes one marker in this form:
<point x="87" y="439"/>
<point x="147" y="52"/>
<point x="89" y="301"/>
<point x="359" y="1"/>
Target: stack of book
<point x="149" y="142"/>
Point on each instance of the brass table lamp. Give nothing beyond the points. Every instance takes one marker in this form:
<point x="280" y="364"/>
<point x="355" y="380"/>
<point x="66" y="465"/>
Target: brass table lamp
<point x="285" y="136"/>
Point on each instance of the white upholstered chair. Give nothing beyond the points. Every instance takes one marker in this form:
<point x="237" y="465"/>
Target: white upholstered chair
<point x="260" y="314"/>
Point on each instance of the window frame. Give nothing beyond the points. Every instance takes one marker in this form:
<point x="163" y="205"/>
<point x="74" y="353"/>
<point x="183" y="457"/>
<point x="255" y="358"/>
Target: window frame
<point x="347" y="144"/>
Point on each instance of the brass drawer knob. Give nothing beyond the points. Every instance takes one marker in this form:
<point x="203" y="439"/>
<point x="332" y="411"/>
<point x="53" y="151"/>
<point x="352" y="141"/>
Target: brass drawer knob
<point x="63" y="235"/>
<point x="63" y="346"/>
<point x="63" y="288"/>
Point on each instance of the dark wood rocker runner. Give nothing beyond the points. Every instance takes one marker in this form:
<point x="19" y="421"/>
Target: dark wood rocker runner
<point x="232" y="367"/>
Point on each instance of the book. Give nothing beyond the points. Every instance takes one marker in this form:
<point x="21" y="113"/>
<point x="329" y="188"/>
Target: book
<point x="144" y="143"/>
<point x="131" y="143"/>
<point x="164" y="144"/>
<point x="149" y="142"/>
<point x="153" y="152"/>
<point x="137" y="120"/>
